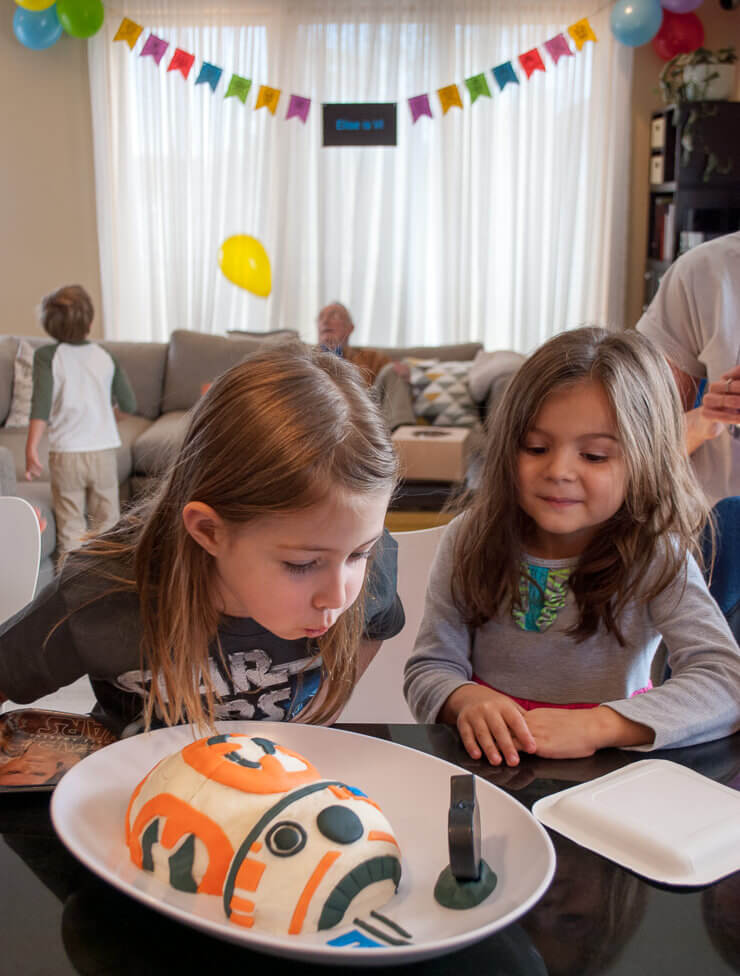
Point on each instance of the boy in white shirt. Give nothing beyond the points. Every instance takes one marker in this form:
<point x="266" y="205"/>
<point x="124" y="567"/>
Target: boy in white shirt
<point x="74" y="384"/>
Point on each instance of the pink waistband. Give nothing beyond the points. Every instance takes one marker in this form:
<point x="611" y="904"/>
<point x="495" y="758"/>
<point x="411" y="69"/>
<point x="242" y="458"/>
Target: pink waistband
<point x="528" y="703"/>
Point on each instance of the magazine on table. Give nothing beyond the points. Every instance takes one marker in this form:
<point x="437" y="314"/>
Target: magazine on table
<point x="37" y="747"/>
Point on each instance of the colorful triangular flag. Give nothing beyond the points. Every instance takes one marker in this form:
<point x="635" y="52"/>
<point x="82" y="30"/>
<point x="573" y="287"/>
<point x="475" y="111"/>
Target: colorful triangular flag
<point x="298" y="108"/>
<point x="504" y="73"/>
<point x="419" y="106"/>
<point x="128" y="31"/>
<point x="268" y="98"/>
<point x="531" y="62"/>
<point x="581" y="32"/>
<point x="449" y="96"/>
<point x="557" y="47"/>
<point x="239" y="88"/>
<point x="182" y="62"/>
<point x="154" y="47"/>
<point x="477" y="85"/>
<point x="209" y="74"/>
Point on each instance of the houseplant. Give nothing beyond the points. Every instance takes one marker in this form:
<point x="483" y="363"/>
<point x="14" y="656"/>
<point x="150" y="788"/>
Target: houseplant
<point x="692" y="81"/>
<point x="698" y="76"/>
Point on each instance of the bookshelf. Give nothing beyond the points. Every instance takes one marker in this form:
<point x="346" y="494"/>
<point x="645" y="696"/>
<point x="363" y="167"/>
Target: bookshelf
<point x="694" y="177"/>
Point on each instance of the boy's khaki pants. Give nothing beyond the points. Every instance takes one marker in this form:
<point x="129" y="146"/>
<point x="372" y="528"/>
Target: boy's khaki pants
<point x="83" y="483"/>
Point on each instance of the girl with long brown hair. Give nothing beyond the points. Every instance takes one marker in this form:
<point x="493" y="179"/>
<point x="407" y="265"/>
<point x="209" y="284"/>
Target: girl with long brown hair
<point x="550" y="595"/>
<point x="238" y="589"/>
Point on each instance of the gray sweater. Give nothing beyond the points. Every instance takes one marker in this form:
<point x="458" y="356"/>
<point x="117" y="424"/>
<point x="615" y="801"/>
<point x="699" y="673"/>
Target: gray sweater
<point x="700" y="702"/>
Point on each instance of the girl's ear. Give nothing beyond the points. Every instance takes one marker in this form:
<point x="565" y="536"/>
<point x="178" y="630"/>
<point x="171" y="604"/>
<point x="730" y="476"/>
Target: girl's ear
<point x="204" y="525"/>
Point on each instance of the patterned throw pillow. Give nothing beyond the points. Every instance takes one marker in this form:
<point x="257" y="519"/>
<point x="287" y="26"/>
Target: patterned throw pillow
<point x="20" y="405"/>
<point x="440" y="393"/>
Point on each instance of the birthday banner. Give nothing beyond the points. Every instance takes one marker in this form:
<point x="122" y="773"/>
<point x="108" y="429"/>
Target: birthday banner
<point x="299" y="106"/>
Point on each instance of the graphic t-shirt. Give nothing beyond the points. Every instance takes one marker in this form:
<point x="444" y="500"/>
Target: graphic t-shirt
<point x="264" y="677"/>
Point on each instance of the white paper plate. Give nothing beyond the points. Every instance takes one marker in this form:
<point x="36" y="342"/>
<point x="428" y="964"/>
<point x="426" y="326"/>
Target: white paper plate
<point x="661" y="820"/>
<point x="413" y="789"/>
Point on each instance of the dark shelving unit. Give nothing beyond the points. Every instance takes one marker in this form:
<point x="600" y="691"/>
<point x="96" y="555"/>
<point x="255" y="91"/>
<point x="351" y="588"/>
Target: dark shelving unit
<point x="694" y="178"/>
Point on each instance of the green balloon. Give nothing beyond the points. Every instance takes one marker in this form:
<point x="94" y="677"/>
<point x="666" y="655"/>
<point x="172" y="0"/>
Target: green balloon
<point x="80" y="18"/>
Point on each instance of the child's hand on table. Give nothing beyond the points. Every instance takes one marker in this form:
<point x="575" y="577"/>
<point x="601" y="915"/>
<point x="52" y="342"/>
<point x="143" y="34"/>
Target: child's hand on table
<point x="562" y="733"/>
<point x="489" y="723"/>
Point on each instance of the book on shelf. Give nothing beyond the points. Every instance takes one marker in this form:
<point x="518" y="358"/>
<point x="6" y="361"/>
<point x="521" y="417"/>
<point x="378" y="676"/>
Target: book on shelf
<point x="669" y="233"/>
<point x="658" y="235"/>
<point x="690" y="238"/>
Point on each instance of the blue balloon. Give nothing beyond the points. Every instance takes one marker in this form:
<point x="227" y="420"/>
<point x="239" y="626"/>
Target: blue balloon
<point x="37" y="29"/>
<point x="635" y="22"/>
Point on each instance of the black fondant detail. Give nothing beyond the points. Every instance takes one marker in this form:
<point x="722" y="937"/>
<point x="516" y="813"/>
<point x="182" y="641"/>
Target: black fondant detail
<point x="340" y="824"/>
<point x="181" y="866"/>
<point x="286" y="838"/>
<point x="372" y="930"/>
<point x="265" y="745"/>
<point x="216" y="740"/>
<point x="383" y="868"/>
<point x="459" y="895"/>
<point x="261" y="825"/>
<point x="148" y="839"/>
<point x="241" y="761"/>
<point x="391" y="924"/>
<point x="463" y="829"/>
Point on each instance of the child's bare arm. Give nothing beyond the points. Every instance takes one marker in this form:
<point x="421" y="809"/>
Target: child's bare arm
<point x="488" y="722"/>
<point x="34" y="468"/>
<point x="562" y="733"/>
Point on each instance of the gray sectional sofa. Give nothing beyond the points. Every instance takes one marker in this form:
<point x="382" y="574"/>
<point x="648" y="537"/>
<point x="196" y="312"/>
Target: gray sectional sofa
<point x="167" y="378"/>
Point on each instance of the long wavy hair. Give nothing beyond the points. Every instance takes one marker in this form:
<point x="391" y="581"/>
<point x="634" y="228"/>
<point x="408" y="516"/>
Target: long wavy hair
<point x="664" y="509"/>
<point x="280" y="432"/>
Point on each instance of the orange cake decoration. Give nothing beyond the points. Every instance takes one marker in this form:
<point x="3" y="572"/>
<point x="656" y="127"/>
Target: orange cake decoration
<point x="244" y="818"/>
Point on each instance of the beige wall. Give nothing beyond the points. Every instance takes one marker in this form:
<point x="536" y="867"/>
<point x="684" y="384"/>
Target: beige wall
<point x="721" y="27"/>
<point x="48" y="234"/>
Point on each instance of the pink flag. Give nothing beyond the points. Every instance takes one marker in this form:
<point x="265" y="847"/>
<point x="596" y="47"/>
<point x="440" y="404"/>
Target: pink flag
<point x="558" y="47"/>
<point x="155" y="47"/>
<point x="298" y="108"/>
<point x="419" y="106"/>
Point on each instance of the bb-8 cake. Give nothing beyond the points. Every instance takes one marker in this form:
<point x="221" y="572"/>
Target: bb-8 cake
<point x="243" y="818"/>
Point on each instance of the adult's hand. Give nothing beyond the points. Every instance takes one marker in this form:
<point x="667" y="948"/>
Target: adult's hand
<point x="721" y="401"/>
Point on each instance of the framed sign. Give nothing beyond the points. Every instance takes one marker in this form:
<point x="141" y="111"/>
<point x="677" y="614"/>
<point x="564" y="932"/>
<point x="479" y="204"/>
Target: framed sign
<point x="361" y="124"/>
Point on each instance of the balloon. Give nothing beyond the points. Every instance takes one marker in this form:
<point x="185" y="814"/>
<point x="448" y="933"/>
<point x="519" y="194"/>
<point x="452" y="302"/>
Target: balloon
<point x="678" y="6"/>
<point x="678" y="34"/>
<point x="245" y="263"/>
<point x="37" y="30"/>
<point x="35" y="4"/>
<point x="80" y="18"/>
<point x="635" y="22"/>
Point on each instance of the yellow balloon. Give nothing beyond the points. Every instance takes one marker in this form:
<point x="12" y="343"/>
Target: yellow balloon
<point x="245" y="263"/>
<point x="36" y="4"/>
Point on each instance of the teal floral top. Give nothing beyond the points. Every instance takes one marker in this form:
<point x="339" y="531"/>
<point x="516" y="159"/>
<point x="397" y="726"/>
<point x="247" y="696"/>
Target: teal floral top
<point x="542" y="590"/>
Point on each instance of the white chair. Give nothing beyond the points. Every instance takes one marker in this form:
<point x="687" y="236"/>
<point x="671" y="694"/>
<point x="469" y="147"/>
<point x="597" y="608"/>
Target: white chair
<point x="20" y="554"/>
<point x="378" y="695"/>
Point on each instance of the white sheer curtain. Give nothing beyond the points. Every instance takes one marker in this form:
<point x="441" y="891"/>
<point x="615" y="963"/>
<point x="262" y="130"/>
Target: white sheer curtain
<point x="504" y="222"/>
